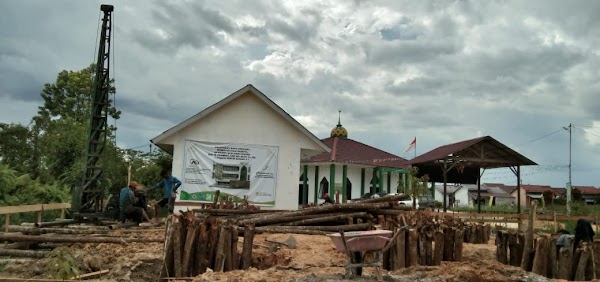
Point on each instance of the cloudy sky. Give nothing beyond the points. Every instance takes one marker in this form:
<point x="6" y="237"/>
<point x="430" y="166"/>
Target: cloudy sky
<point x="443" y="71"/>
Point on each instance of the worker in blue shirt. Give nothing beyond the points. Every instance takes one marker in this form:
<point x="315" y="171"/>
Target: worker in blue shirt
<point x="169" y="184"/>
<point x="127" y="208"/>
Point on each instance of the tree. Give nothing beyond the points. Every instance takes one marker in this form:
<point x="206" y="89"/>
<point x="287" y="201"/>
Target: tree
<point x="547" y="197"/>
<point x="61" y="126"/>
<point x="70" y="96"/>
<point x="416" y="186"/>
<point x="15" y="146"/>
<point x="8" y="180"/>
<point x="576" y="195"/>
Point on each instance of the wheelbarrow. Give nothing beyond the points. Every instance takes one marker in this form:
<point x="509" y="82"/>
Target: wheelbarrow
<point x="357" y="244"/>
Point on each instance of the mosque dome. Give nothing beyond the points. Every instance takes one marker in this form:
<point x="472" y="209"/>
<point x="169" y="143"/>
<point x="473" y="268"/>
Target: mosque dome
<point x="339" y="130"/>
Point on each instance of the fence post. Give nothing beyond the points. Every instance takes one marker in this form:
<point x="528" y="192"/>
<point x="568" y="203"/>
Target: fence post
<point x="39" y="216"/>
<point x="62" y="213"/>
<point x="6" y="222"/>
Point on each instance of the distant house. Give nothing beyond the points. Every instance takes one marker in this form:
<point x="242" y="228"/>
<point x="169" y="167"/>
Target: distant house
<point x="466" y="195"/>
<point x="535" y="192"/>
<point x="589" y="194"/>
<point x="452" y="198"/>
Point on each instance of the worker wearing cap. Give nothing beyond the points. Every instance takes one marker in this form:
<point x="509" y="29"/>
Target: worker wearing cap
<point x="327" y="199"/>
<point x="127" y="210"/>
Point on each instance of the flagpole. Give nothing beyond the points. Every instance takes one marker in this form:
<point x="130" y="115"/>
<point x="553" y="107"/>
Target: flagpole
<point x="415" y="146"/>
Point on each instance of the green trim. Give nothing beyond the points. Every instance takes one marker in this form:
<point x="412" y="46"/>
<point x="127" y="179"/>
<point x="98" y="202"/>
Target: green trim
<point x="373" y="183"/>
<point x="389" y="181"/>
<point x="317" y="184"/>
<point x="208" y="196"/>
<point x="362" y="181"/>
<point x="380" y="186"/>
<point x="305" y="186"/>
<point x="344" y="182"/>
<point x="331" y="180"/>
<point x="393" y="169"/>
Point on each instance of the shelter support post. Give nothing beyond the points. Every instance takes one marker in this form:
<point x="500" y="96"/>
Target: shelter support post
<point x="479" y="191"/>
<point x="445" y="184"/>
<point x="316" y="183"/>
<point x="517" y="171"/>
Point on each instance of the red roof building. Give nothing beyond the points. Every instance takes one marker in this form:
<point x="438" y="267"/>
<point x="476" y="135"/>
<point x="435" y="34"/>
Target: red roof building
<point x="351" y="169"/>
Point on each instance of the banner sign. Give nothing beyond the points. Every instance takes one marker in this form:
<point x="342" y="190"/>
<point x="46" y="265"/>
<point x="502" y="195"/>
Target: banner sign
<point x="236" y="170"/>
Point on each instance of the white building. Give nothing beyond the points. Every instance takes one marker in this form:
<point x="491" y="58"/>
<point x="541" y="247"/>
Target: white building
<point x="247" y="146"/>
<point x="351" y="169"/>
<point x="244" y="127"/>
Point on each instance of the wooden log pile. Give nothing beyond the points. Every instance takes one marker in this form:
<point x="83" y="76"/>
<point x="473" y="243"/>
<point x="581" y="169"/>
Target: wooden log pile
<point x="36" y="242"/>
<point x="548" y="260"/>
<point x="542" y="256"/>
<point x="424" y="240"/>
<point x="208" y="237"/>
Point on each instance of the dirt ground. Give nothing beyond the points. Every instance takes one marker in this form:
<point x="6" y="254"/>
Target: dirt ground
<point x="314" y="259"/>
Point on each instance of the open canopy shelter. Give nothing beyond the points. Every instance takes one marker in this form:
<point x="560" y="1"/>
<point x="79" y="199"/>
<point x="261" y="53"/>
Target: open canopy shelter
<point x="466" y="161"/>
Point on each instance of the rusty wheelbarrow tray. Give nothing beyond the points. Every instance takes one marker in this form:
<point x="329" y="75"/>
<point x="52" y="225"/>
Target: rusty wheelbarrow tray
<point x="361" y="242"/>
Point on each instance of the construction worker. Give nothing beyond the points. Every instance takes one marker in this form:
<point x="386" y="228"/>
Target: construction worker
<point x="127" y="208"/>
<point x="169" y="184"/>
<point x="327" y="199"/>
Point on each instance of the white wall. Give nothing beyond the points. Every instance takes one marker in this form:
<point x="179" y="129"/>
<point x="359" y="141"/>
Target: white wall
<point x="249" y="120"/>
<point x="354" y="175"/>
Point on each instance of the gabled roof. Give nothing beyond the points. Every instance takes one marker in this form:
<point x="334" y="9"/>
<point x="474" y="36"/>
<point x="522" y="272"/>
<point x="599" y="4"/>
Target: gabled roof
<point x="506" y="188"/>
<point x="588" y="190"/>
<point x="450" y="189"/>
<point x="488" y="191"/>
<point x="483" y="152"/>
<point x="536" y="188"/>
<point x="244" y="90"/>
<point x="464" y="159"/>
<point x="345" y="150"/>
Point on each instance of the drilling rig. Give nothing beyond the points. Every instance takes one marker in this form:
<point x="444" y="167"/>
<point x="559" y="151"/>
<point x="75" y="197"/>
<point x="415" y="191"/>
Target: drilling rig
<point x="88" y="197"/>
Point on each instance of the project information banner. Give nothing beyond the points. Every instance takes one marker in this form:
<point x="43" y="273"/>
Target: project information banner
<point x="236" y="170"/>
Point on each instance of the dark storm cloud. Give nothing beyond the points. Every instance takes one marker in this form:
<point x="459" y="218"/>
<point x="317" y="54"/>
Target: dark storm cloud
<point x="19" y="85"/>
<point x="443" y="71"/>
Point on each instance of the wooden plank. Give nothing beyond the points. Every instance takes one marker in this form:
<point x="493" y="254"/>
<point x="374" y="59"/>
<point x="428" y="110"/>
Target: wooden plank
<point x="56" y="206"/>
<point x="20" y="209"/>
<point x="34" y="208"/>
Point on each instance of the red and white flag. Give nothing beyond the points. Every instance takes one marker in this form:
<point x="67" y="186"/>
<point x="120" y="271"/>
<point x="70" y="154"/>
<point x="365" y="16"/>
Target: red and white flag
<point x="412" y="145"/>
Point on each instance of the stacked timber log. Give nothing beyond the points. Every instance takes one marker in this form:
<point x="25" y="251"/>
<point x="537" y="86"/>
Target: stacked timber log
<point x="541" y="255"/>
<point x="547" y="259"/>
<point x="208" y="237"/>
<point x="476" y="233"/>
<point x="424" y="240"/>
<point x="36" y="242"/>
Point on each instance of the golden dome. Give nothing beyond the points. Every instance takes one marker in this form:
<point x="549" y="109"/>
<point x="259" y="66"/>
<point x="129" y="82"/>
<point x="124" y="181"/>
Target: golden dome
<point x="339" y="130"/>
